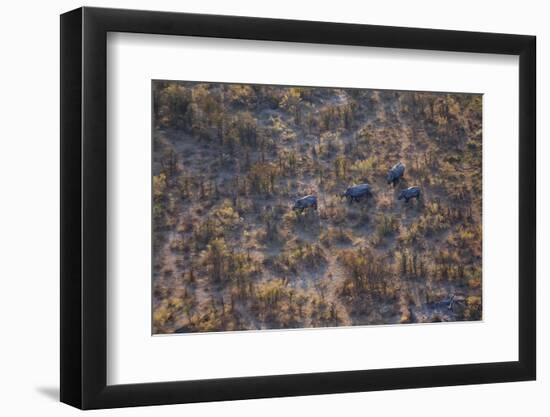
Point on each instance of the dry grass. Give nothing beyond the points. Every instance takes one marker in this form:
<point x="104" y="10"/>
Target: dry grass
<point x="231" y="254"/>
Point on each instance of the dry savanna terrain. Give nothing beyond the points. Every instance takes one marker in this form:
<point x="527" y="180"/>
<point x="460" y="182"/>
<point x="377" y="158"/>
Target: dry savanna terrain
<point x="229" y="251"/>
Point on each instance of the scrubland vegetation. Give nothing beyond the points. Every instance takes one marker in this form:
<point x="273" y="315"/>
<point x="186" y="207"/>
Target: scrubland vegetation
<point x="229" y="252"/>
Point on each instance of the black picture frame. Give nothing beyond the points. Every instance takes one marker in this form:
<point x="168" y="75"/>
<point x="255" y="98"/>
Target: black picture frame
<point x="84" y="207"/>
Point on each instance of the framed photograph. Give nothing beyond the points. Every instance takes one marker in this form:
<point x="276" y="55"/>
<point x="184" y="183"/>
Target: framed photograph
<point x="256" y="208"/>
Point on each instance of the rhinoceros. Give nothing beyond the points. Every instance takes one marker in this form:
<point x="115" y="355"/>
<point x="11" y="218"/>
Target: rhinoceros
<point x="356" y="192"/>
<point x="309" y="201"/>
<point x="407" y="194"/>
<point x="395" y="173"/>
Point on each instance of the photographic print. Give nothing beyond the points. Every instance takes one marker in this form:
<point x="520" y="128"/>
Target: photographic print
<point x="283" y="207"/>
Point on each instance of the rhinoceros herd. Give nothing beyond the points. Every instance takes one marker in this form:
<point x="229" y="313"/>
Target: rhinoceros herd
<point x="360" y="191"/>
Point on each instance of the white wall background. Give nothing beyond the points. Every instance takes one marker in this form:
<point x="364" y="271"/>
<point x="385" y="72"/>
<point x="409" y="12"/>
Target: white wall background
<point x="29" y="225"/>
